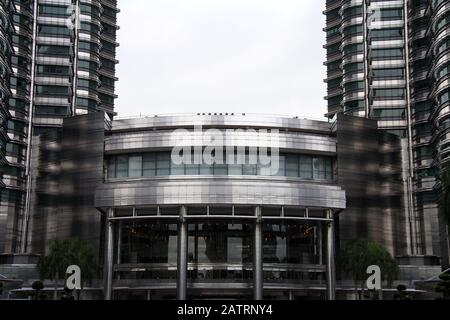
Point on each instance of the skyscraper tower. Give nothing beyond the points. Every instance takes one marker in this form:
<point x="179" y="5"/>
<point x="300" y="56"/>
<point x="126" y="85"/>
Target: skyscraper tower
<point x="5" y="72"/>
<point x="386" y="60"/>
<point x="63" y="64"/>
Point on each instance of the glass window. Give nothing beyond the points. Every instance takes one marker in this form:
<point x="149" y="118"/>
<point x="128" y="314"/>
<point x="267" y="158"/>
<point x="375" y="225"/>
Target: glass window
<point x="122" y="167"/>
<point x="386" y="34"/>
<point x="387" y="53"/>
<point x="249" y="170"/>
<point x="159" y="164"/>
<point x="145" y="242"/>
<point x="163" y="162"/>
<point x="389" y="93"/>
<point x="292" y="166"/>
<point x="220" y="243"/>
<point x="149" y="165"/>
<point x="329" y="174"/>
<point x="206" y="170"/>
<point x="52" y="90"/>
<point x="53" y="50"/>
<point x="176" y="169"/>
<point x="389" y="113"/>
<point x="319" y="168"/>
<point x="391" y="13"/>
<point x="393" y="73"/>
<point x="306" y="167"/>
<point x="112" y="168"/>
<point x="56" y="70"/>
<point x="220" y="170"/>
<point x="235" y="170"/>
<point x="135" y="166"/>
<point x="291" y="243"/>
<point x="54" y="10"/>
<point x="192" y="169"/>
<point x="55" y="30"/>
<point x="282" y="166"/>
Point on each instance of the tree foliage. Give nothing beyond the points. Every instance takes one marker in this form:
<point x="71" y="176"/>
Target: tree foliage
<point x="402" y="293"/>
<point x="445" y="200"/>
<point x="444" y="286"/>
<point x="359" y="254"/>
<point x="37" y="286"/>
<point x="64" y="253"/>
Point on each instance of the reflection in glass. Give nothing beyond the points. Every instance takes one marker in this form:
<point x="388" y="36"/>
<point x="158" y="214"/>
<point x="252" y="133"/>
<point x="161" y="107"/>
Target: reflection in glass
<point x="146" y="242"/>
<point x="291" y="243"/>
<point x="220" y="243"/>
<point x="292" y="251"/>
<point x="159" y="164"/>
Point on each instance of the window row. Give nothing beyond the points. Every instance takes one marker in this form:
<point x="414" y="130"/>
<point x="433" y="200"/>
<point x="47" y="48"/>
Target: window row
<point x="397" y="113"/>
<point x="160" y="164"/>
<point x="386" y="34"/>
<point x="393" y="73"/>
<point x="386" y="53"/>
<point x="397" y="93"/>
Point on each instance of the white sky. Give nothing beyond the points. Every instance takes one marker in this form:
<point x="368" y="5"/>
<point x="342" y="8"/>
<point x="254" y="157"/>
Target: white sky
<point x="252" y="56"/>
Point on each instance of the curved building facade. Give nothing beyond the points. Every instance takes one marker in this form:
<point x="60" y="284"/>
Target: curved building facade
<point x="421" y="87"/>
<point x="218" y="206"/>
<point x="436" y="158"/>
<point x="222" y="229"/>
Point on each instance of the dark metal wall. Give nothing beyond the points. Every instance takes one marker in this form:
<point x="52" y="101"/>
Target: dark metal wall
<point x="369" y="170"/>
<point x="68" y="167"/>
<point x="45" y="184"/>
<point x="82" y="171"/>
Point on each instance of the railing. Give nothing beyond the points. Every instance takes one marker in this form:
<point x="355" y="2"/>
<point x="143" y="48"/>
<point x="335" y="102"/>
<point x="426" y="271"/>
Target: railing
<point x="262" y="115"/>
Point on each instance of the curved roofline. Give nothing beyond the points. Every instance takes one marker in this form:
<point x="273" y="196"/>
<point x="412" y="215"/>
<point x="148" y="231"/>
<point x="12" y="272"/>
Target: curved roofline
<point x="224" y="120"/>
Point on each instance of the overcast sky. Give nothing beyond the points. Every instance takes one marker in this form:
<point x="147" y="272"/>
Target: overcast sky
<point x="252" y="56"/>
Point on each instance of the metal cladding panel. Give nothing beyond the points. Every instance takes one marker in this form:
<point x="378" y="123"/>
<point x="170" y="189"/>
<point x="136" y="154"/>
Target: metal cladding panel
<point x="3" y="221"/>
<point x="224" y="191"/>
<point x="46" y="170"/>
<point x="139" y="141"/>
<point x="10" y="224"/>
<point x="81" y="172"/>
<point x="369" y="167"/>
<point x="216" y="121"/>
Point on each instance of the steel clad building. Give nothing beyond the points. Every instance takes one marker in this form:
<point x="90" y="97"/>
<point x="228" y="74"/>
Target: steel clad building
<point x="387" y="60"/>
<point x="282" y="195"/>
<point x="57" y="60"/>
<point x="226" y="229"/>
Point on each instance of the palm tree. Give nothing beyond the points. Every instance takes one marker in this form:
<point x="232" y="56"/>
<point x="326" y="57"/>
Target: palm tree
<point x="359" y="254"/>
<point x="54" y="265"/>
<point x="81" y="254"/>
<point x="64" y="253"/>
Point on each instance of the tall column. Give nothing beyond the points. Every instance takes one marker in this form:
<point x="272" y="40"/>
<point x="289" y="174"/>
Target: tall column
<point x="29" y="152"/>
<point x="182" y="256"/>
<point x="258" y="276"/>
<point x="109" y="256"/>
<point x="320" y="243"/>
<point x="331" y="267"/>
<point x="119" y="242"/>
<point x="119" y="246"/>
